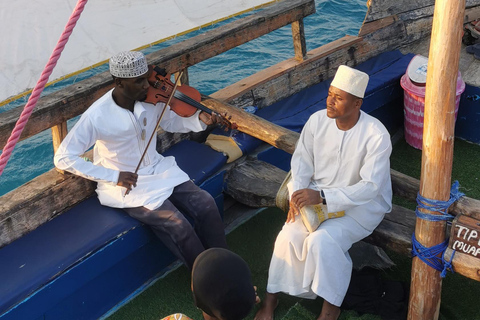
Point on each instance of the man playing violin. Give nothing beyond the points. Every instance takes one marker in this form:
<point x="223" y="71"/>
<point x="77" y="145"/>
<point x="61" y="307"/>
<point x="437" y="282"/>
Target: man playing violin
<point x="160" y="195"/>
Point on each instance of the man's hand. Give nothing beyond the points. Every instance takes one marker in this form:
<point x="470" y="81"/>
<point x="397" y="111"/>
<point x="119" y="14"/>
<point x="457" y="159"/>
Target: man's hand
<point x="209" y="119"/>
<point x="305" y="197"/>
<point x="127" y="179"/>
<point x="213" y="118"/>
<point x="293" y="211"/>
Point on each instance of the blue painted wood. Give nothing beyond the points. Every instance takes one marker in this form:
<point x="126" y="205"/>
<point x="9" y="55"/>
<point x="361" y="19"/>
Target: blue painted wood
<point x="137" y="256"/>
<point x="468" y="118"/>
<point x="84" y="262"/>
<point x="276" y="157"/>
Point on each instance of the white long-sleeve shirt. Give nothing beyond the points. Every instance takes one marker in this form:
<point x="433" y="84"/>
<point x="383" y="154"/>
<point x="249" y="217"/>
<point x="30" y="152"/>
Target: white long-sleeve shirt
<point x="119" y="138"/>
<point x="351" y="167"/>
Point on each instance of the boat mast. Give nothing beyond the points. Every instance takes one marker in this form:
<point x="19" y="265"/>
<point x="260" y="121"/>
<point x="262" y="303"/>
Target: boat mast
<point x="437" y="156"/>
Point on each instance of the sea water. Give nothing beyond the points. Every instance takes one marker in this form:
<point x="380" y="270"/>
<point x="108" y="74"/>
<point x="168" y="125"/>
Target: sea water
<point x="333" y="19"/>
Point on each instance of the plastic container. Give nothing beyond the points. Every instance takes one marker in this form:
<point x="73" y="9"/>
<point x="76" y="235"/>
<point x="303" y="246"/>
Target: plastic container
<point x="414" y="99"/>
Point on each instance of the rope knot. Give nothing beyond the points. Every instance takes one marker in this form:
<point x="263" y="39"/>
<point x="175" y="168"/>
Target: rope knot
<point x="431" y="256"/>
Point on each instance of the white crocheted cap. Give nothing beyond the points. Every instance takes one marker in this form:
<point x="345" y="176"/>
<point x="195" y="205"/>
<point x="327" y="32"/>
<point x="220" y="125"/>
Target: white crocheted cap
<point x="350" y="80"/>
<point x="128" y="64"/>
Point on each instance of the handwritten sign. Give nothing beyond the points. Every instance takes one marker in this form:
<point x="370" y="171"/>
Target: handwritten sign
<point x="465" y="236"/>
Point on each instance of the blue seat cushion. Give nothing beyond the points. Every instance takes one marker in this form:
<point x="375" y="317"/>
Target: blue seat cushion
<point x="384" y="70"/>
<point x="31" y="261"/>
<point x="198" y="160"/>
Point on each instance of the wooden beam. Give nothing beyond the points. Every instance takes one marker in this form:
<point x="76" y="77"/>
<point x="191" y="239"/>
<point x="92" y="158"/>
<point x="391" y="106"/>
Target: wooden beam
<point x="437" y="155"/>
<point x="464" y="239"/>
<point x="324" y="60"/>
<point x="57" y="107"/>
<point x="38" y="201"/>
<point x="408" y="187"/>
<point x="370" y="27"/>
<point x="464" y="264"/>
<point x="255" y="126"/>
<point x="395" y="231"/>
<point x="67" y="103"/>
<point x="254" y="183"/>
<point x="379" y="9"/>
<point x="412" y="22"/>
<point x="299" y="44"/>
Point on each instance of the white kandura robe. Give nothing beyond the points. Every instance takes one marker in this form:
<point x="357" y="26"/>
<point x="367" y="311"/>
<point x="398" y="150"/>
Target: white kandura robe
<point x="119" y="143"/>
<point x="353" y="169"/>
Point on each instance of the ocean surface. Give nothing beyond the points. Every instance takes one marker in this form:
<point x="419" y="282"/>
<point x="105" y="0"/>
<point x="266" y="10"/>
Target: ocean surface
<point x="333" y="20"/>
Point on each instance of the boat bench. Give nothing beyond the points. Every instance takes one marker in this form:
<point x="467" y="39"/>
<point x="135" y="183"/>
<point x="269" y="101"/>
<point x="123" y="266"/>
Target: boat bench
<point x="84" y="262"/>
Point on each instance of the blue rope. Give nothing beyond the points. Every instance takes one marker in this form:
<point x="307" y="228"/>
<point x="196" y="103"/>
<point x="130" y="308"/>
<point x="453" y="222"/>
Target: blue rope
<point x="447" y="265"/>
<point x="438" y="205"/>
<point x="430" y="256"/>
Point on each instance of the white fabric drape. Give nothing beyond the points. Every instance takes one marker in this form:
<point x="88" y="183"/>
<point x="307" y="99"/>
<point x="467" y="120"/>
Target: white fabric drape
<point x="31" y="30"/>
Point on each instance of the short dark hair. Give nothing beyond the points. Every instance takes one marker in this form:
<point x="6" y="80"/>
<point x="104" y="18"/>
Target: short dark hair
<point x="222" y="285"/>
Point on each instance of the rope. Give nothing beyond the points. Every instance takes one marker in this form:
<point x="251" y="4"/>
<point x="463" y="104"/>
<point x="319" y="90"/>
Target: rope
<point x="438" y="205"/>
<point x="47" y="71"/>
<point x="430" y="256"/>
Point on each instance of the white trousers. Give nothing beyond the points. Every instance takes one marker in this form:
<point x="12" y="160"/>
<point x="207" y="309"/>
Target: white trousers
<point x="317" y="264"/>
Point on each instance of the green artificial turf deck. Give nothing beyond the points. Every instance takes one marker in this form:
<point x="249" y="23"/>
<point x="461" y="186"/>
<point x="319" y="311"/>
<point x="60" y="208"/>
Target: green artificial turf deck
<point x="254" y="242"/>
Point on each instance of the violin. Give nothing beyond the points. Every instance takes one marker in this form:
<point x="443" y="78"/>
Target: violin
<point x="185" y="101"/>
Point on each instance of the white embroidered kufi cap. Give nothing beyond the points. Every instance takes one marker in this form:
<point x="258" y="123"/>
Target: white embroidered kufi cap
<point x="128" y="64"/>
<point x="350" y="80"/>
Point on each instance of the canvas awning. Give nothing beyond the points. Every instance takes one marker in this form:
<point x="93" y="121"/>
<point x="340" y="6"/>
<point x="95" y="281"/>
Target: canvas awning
<point x="32" y="28"/>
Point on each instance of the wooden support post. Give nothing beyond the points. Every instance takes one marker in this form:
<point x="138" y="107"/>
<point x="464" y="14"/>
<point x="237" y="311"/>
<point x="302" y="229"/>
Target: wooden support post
<point x="184" y="79"/>
<point x="437" y="157"/>
<point x="299" y="45"/>
<point x="59" y="132"/>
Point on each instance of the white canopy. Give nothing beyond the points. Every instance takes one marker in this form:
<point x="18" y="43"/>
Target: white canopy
<point x="32" y="28"/>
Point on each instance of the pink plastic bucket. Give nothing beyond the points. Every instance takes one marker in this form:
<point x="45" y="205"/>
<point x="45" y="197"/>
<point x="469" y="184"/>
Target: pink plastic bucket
<point x="414" y="103"/>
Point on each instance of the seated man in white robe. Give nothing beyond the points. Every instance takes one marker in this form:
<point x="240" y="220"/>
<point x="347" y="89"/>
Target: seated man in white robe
<point x="160" y="195"/>
<point x="342" y="160"/>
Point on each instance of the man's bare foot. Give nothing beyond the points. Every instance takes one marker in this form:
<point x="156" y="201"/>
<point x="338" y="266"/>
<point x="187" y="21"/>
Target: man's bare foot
<point x="268" y="307"/>
<point x="329" y="311"/>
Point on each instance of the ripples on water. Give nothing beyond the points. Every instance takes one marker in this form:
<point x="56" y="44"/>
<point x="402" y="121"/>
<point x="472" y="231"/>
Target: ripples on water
<point x="333" y="19"/>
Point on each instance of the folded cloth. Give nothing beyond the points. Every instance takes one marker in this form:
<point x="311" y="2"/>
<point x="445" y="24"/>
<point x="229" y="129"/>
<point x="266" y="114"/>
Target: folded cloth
<point x="475" y="48"/>
<point x="224" y="144"/>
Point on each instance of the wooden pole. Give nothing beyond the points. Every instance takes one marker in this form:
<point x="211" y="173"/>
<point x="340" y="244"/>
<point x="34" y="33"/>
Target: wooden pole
<point x="255" y="126"/>
<point x="299" y="44"/>
<point x="437" y="156"/>
<point x="185" y="79"/>
<point x="59" y="132"/>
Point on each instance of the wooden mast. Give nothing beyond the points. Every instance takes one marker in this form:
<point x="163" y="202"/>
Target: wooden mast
<point x="437" y="156"/>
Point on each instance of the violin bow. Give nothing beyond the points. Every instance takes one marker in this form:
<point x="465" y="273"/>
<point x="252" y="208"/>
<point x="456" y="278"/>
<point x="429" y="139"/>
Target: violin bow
<point x="156" y="126"/>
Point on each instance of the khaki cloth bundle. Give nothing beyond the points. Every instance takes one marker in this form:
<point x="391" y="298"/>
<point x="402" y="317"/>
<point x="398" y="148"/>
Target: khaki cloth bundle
<point x="312" y="216"/>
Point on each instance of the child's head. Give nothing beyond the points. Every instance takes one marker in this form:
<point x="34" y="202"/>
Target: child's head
<point x="221" y="285"/>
